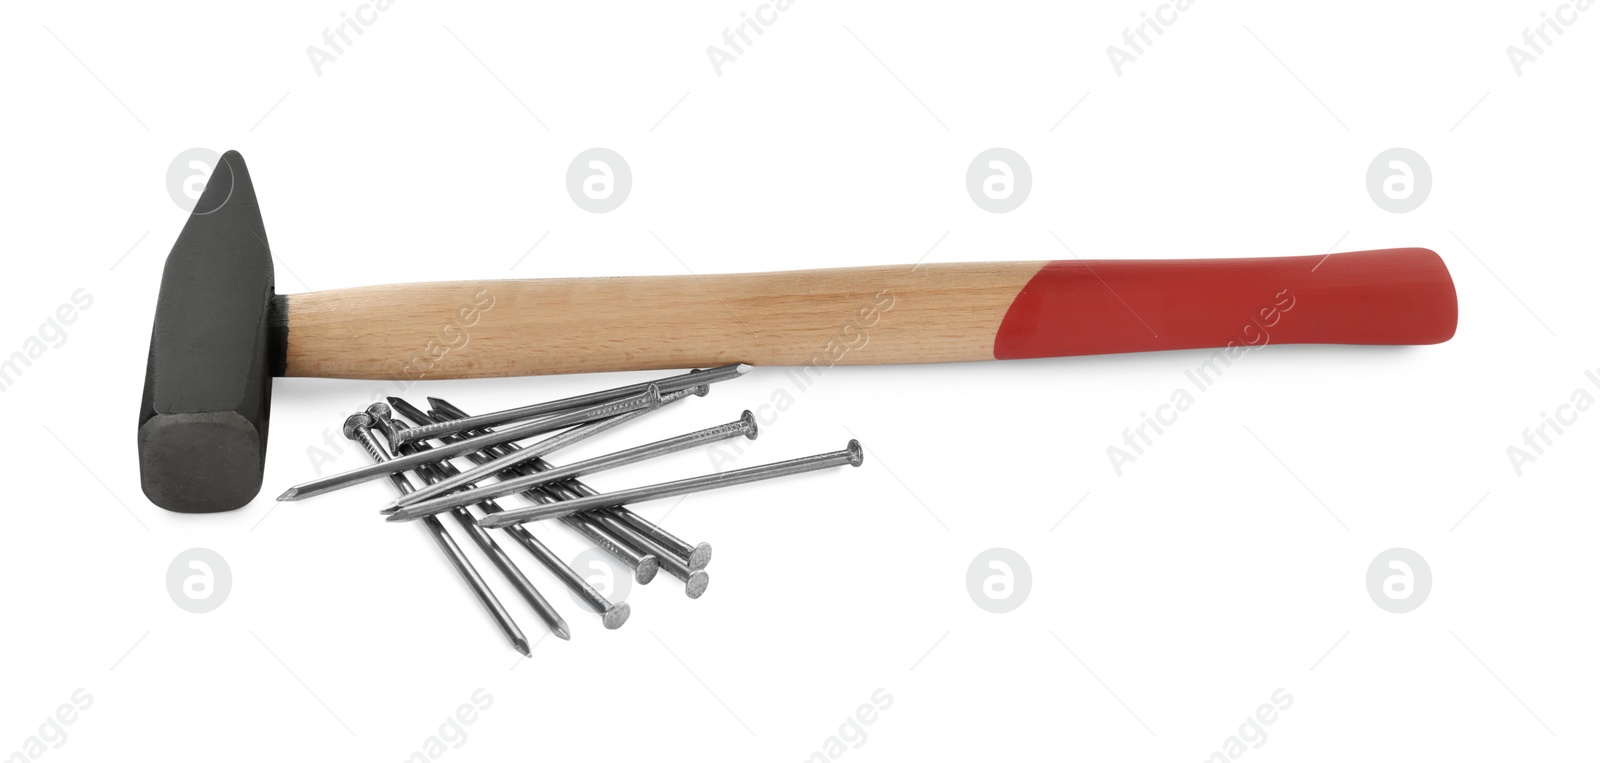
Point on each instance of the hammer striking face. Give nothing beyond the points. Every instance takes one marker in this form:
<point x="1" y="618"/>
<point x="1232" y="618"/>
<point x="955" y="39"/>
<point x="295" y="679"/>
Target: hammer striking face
<point x="220" y="334"/>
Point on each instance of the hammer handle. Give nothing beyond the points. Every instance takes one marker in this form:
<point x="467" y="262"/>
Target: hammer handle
<point x="901" y="314"/>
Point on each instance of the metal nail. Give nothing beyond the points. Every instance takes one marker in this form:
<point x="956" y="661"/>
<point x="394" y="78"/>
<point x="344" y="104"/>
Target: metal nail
<point x="650" y="398"/>
<point x="378" y="412"/>
<point x="508" y="461"/>
<point x="355" y="429"/>
<point x="694" y="581"/>
<point x="612" y="615"/>
<point x="851" y="455"/>
<point x="696" y="556"/>
<point x="644" y="565"/>
<point x="745" y="425"/>
<point x="670" y="384"/>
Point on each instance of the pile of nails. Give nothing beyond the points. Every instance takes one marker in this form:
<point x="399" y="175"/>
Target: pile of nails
<point x="501" y="468"/>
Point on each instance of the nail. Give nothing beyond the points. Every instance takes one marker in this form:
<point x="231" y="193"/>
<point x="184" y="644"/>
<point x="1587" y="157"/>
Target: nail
<point x="745" y="425"/>
<point x="644" y="565"/>
<point x="694" y="581"/>
<point x="696" y="556"/>
<point x="851" y="455"/>
<point x="377" y="412"/>
<point x="355" y="429"/>
<point x="670" y="384"/>
<point x="506" y="462"/>
<point x="612" y="615"/>
<point x="650" y="398"/>
<point x="385" y="423"/>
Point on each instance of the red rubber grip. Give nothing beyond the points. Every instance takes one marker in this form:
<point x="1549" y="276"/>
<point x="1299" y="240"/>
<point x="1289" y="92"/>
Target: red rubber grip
<point x="1079" y="307"/>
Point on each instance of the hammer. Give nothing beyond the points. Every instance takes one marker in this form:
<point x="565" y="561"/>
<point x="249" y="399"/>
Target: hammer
<point x="221" y="333"/>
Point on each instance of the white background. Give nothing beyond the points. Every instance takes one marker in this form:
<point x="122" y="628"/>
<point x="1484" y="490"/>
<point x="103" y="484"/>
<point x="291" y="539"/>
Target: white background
<point x="1166" y="604"/>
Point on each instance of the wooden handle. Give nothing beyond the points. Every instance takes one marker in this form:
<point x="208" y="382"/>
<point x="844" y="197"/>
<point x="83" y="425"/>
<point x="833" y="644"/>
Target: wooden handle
<point x="930" y="313"/>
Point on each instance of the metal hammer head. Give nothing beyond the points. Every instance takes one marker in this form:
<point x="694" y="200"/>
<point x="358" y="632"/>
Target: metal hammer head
<point x="213" y="352"/>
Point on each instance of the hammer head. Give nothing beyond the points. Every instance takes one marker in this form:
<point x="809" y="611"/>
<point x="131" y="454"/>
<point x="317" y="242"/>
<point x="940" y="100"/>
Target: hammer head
<point x="208" y="385"/>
